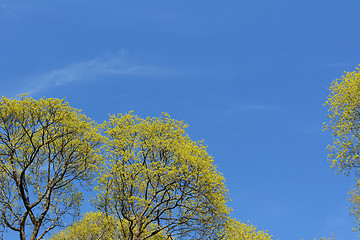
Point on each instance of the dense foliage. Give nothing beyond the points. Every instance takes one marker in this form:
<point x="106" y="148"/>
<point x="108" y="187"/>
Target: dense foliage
<point x="153" y="181"/>
<point x="45" y="146"/>
<point x="344" y="115"/>
<point x="156" y="178"/>
<point x="93" y="226"/>
<point x="237" y="230"/>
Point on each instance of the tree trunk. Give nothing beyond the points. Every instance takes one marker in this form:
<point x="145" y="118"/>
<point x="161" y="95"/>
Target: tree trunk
<point x="22" y="229"/>
<point x="35" y="232"/>
<point x="22" y="235"/>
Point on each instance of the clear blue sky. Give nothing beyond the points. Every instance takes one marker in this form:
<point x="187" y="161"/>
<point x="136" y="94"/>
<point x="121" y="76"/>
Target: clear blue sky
<point x="249" y="77"/>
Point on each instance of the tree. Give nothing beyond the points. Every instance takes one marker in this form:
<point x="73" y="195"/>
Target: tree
<point x="45" y="146"/>
<point x="95" y="226"/>
<point x="157" y="180"/>
<point x="344" y="115"/>
<point x="237" y="230"/>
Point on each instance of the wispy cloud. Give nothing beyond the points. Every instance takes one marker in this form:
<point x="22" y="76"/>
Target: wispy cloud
<point x="104" y="66"/>
<point x="238" y="108"/>
<point x="232" y="110"/>
<point x="247" y="107"/>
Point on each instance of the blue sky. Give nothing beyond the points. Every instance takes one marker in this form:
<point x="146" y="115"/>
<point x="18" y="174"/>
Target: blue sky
<point x="249" y="77"/>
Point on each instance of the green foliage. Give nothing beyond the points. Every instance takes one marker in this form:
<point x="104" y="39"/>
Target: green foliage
<point x="157" y="180"/>
<point x="94" y="226"/>
<point x="355" y="204"/>
<point x="153" y="181"/>
<point x="97" y="225"/>
<point x="44" y="146"/>
<point x="344" y="115"/>
<point x="237" y="230"/>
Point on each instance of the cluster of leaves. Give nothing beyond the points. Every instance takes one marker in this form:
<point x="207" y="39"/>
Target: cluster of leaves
<point x="156" y="176"/>
<point x="45" y="146"/>
<point x="237" y="230"/>
<point x="95" y="226"/>
<point x="153" y="181"/>
<point x="344" y="114"/>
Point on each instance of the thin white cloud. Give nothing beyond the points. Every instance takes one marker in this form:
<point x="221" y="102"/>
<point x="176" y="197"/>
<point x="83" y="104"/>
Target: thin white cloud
<point x="244" y="107"/>
<point x="101" y="67"/>
<point x="238" y="108"/>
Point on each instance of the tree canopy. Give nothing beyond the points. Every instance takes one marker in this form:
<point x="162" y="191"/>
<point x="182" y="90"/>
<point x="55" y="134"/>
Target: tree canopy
<point x="152" y="181"/>
<point x="45" y="145"/>
<point x="237" y="230"/>
<point x="157" y="179"/>
<point x="95" y="226"/>
<point x="344" y="114"/>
